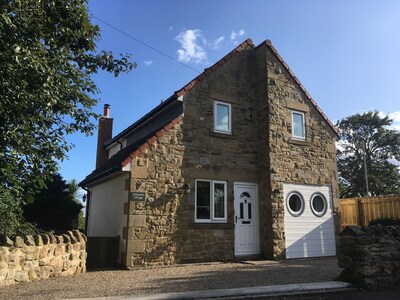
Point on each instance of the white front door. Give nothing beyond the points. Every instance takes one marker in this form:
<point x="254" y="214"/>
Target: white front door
<point x="246" y="219"/>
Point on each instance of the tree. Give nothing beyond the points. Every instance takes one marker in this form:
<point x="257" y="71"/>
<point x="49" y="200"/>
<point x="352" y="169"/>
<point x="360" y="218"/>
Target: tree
<point x="47" y="59"/>
<point x="11" y="220"/>
<point x="368" y="136"/>
<point x="54" y="208"/>
<point x="73" y="188"/>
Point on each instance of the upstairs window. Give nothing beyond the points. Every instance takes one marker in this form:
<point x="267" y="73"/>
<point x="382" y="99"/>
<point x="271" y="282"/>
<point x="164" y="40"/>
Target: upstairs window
<point x="210" y="201"/>
<point x="222" y="117"/>
<point x="298" y="125"/>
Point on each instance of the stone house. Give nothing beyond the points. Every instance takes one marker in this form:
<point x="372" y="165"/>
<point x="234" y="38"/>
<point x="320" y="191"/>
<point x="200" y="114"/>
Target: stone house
<point x="240" y="162"/>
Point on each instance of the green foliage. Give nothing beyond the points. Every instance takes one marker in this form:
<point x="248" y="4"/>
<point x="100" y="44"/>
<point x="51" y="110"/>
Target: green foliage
<point x="385" y="222"/>
<point x="54" y="208"/>
<point x="381" y="146"/>
<point x="11" y="221"/>
<point x="47" y="58"/>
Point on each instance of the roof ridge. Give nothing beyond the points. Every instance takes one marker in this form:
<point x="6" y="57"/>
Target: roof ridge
<point x="269" y="44"/>
<point x="215" y="66"/>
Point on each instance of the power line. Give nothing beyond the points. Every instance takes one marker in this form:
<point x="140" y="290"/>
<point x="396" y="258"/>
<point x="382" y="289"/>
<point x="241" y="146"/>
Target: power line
<point x="145" y="44"/>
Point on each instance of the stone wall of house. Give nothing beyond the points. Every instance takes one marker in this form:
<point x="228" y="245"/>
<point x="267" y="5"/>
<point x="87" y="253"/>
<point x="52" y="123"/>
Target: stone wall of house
<point x="41" y="256"/>
<point x="162" y="229"/>
<point x="312" y="161"/>
<point x="370" y="255"/>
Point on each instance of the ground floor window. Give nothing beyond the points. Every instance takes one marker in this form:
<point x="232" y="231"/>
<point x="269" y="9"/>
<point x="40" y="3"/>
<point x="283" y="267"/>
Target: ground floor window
<point x="210" y="201"/>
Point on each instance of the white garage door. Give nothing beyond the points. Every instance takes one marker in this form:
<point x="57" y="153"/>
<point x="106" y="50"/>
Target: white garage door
<point x="309" y="227"/>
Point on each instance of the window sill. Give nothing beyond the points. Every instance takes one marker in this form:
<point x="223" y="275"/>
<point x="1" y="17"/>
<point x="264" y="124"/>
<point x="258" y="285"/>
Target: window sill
<point x="298" y="142"/>
<point x="211" y="226"/>
<point x="222" y="135"/>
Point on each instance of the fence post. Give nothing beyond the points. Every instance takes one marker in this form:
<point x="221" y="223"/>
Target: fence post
<point x="358" y="212"/>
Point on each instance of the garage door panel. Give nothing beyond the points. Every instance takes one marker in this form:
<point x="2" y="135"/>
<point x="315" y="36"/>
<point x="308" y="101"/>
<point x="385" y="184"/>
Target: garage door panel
<point x="308" y="235"/>
<point x="305" y="254"/>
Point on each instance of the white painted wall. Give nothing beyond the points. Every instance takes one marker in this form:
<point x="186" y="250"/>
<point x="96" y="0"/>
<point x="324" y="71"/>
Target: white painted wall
<point x="106" y="212"/>
<point x="308" y="235"/>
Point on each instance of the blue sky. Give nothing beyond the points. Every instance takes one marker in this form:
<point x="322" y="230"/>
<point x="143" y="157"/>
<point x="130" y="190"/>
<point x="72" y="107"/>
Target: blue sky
<point x="346" y="54"/>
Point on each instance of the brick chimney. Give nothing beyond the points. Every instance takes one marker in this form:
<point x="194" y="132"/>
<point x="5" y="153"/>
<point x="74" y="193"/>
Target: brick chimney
<point x="104" y="134"/>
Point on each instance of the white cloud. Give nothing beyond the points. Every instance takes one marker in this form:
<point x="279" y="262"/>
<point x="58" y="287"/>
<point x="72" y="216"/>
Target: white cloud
<point x="395" y="116"/>
<point x="148" y="62"/>
<point x="235" y="34"/>
<point x="190" y="50"/>
<point x="216" y="44"/>
<point x="171" y="27"/>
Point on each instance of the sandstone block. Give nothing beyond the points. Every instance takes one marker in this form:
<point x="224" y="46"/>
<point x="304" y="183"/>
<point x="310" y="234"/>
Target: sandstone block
<point x="138" y="220"/>
<point x="38" y="240"/>
<point x="45" y="239"/>
<point x="136" y="246"/>
<point x="29" y="241"/>
<point x="18" y="242"/>
<point x="6" y="241"/>
<point x="21" y="276"/>
<point x="32" y="274"/>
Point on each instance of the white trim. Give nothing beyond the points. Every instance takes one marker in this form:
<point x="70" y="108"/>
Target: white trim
<point x="229" y="131"/>
<point x="302" y="138"/>
<point x="302" y="207"/>
<point x="323" y="212"/>
<point x="212" y="218"/>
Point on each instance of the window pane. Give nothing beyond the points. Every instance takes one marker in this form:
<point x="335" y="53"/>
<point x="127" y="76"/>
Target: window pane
<point x="298" y="129"/>
<point x="318" y="204"/>
<point x="222" y="117"/>
<point x="249" y="211"/>
<point x="219" y="199"/>
<point x="295" y="204"/>
<point x="203" y="200"/>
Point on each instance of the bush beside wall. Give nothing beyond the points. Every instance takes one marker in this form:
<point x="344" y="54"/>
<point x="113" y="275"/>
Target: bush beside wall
<point x="36" y="257"/>
<point x="370" y="255"/>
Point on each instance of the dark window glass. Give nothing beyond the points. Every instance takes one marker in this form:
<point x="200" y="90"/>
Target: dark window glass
<point x="295" y="204"/>
<point x="249" y="211"/>
<point x="203" y="200"/>
<point x="318" y="204"/>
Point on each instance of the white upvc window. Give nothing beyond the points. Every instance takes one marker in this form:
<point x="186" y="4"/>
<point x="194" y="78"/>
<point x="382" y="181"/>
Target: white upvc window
<point x="222" y="117"/>
<point x="298" y="125"/>
<point x="210" y="201"/>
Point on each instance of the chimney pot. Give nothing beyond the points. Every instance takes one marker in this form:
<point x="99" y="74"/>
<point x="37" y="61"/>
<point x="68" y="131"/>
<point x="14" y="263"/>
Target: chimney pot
<point x="106" y="110"/>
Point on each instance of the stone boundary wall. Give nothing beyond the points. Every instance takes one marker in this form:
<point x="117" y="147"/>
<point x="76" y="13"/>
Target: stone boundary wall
<point x="41" y="256"/>
<point x="370" y="255"/>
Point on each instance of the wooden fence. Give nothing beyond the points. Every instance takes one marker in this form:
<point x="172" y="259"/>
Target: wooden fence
<point x="360" y="211"/>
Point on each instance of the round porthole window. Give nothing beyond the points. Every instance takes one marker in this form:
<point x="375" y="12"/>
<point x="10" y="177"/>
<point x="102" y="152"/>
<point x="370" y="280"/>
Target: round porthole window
<point x="318" y="204"/>
<point x="295" y="204"/>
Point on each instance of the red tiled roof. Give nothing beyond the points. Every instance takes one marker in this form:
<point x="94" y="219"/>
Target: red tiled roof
<point x="123" y="158"/>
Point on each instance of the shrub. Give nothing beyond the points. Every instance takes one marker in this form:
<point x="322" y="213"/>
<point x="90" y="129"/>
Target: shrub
<point x="11" y="221"/>
<point x="385" y="222"/>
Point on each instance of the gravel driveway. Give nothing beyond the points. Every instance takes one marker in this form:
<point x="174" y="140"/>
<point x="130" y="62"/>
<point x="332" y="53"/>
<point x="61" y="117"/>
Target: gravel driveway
<point x="178" y="278"/>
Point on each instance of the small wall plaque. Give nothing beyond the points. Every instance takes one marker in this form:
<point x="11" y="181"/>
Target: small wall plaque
<point x="137" y="196"/>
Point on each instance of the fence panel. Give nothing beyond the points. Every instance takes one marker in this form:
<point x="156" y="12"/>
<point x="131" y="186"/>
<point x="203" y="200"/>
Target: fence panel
<point x="360" y="211"/>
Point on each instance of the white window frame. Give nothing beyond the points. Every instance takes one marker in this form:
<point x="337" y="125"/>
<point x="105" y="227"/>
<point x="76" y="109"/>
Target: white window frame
<point x="229" y="131"/>
<point x="302" y="138"/>
<point x="212" y="219"/>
